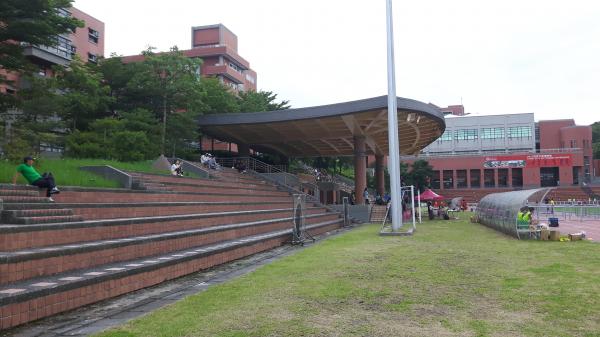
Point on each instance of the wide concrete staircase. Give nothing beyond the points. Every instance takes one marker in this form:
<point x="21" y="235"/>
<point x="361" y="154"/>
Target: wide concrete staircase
<point x="93" y="244"/>
<point x="378" y="213"/>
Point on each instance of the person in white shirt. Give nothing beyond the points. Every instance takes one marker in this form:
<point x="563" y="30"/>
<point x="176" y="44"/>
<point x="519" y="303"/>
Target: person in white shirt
<point x="176" y="169"/>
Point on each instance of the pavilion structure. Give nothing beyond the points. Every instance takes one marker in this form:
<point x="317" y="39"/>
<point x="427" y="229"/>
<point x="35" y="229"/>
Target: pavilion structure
<point x="356" y="128"/>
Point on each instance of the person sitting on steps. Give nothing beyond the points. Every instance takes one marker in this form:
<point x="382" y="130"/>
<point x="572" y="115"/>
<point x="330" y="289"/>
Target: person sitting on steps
<point x="45" y="180"/>
<point x="176" y="169"/>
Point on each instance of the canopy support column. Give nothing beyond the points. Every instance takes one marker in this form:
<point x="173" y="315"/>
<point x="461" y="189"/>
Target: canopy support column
<point x="243" y="150"/>
<point x="360" y="168"/>
<point x="379" y="174"/>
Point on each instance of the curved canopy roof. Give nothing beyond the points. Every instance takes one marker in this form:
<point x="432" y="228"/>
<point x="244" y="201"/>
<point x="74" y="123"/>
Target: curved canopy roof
<point x="328" y="130"/>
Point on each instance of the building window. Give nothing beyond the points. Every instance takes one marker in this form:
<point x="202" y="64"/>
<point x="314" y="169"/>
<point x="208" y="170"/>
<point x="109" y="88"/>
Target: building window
<point x="492" y="133"/>
<point x="92" y="58"/>
<point x="503" y="177"/>
<point x="63" y="13"/>
<point x="475" y="178"/>
<point x="448" y="178"/>
<point x="461" y="179"/>
<point x="519" y="132"/>
<point x="435" y="180"/>
<point x="517" y="177"/>
<point x="446" y="137"/>
<point x="489" y="180"/>
<point x="466" y="134"/>
<point x="573" y="144"/>
<point x="93" y="35"/>
<point x="235" y="67"/>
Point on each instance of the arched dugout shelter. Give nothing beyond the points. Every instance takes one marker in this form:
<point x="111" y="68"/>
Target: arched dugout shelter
<point x="356" y="128"/>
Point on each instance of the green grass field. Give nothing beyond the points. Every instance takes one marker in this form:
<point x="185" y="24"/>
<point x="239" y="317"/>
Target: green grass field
<point x="67" y="173"/>
<point x="452" y="278"/>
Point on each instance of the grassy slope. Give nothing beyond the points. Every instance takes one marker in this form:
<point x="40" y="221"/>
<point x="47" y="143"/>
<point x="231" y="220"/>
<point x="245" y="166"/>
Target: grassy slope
<point x="453" y="278"/>
<point x="67" y="173"/>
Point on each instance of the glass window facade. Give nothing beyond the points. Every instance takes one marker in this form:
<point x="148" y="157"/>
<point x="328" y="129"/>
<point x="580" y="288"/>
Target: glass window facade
<point x="446" y="137"/>
<point x="519" y="132"/>
<point x="466" y="134"/>
<point x="492" y="133"/>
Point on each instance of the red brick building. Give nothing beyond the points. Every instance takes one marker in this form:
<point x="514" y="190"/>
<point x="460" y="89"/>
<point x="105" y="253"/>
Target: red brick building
<point x="217" y="46"/>
<point x="509" y="151"/>
<point x="86" y="42"/>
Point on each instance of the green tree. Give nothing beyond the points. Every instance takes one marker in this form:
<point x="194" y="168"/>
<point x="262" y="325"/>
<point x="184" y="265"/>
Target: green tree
<point x="253" y="101"/>
<point x="169" y="82"/>
<point x="35" y="22"/>
<point x="596" y="132"/>
<point x="420" y="174"/>
<point x="84" y="95"/>
<point x="596" y="149"/>
<point x="108" y="138"/>
<point x="218" y="98"/>
<point x="116" y="75"/>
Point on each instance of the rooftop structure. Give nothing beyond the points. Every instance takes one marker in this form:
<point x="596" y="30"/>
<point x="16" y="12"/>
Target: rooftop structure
<point x="217" y="46"/>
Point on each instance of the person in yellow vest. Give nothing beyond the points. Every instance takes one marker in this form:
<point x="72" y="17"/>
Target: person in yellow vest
<point x="527" y="216"/>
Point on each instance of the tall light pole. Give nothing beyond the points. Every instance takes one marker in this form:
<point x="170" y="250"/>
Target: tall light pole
<point x="394" y="144"/>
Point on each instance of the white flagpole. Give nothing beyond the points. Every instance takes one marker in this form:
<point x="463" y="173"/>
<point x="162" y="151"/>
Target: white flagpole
<point x="394" y="148"/>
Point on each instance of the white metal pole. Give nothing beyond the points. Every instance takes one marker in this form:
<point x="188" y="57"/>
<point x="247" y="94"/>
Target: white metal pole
<point x="412" y="201"/>
<point x="419" y="204"/>
<point x="394" y="148"/>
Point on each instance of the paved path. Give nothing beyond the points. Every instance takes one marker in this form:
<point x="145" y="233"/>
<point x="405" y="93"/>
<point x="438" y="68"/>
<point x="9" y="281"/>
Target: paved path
<point x="112" y="312"/>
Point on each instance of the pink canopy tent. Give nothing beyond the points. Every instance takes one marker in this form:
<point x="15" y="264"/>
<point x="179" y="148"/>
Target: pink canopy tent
<point x="429" y="195"/>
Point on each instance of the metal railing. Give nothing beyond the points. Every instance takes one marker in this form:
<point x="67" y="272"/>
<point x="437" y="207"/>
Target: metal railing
<point x="273" y="174"/>
<point x="566" y="212"/>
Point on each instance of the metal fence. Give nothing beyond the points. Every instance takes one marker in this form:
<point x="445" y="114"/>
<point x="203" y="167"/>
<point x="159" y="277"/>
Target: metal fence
<point x="569" y="212"/>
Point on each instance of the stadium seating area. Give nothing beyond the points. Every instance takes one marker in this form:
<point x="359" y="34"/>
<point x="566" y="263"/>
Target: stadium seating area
<point x="93" y="243"/>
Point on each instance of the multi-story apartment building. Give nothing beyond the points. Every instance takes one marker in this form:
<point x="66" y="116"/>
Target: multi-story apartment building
<point x="86" y="42"/>
<point x="511" y="150"/>
<point x="217" y="46"/>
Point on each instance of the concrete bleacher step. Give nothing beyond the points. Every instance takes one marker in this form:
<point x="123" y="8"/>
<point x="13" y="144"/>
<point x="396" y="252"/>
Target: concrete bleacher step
<point x="19" y="237"/>
<point x="34" y="298"/>
<point x="40" y="212"/>
<point x="93" y="211"/>
<point x="49" y="260"/>
<point x="23" y="199"/>
<point x="19" y="192"/>
<point x="97" y="195"/>
<point x="31" y="220"/>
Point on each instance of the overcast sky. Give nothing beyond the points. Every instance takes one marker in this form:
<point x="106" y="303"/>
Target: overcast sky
<point x="508" y="56"/>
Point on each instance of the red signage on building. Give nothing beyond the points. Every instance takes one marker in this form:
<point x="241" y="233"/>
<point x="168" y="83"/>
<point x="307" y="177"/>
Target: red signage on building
<point x="531" y="160"/>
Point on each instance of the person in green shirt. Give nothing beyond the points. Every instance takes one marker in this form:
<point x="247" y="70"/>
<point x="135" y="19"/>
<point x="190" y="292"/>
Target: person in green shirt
<point x="34" y="178"/>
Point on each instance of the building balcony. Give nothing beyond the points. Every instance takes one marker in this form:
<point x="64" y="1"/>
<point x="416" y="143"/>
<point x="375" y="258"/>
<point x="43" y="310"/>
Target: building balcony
<point x="218" y="50"/>
<point x="53" y="55"/>
<point x="224" y="70"/>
